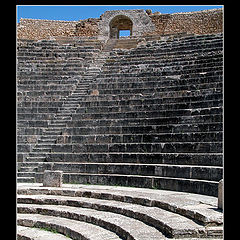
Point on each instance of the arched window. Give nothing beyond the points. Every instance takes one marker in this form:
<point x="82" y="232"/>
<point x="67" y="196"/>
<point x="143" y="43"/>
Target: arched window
<point x="119" y="23"/>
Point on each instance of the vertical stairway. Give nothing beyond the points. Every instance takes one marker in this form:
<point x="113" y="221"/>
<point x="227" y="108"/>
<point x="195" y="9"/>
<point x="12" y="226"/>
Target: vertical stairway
<point x="39" y="153"/>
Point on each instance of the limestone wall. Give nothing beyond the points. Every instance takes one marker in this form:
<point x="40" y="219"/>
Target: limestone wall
<point x="202" y="22"/>
<point x="44" y="29"/>
<point x="88" y="27"/>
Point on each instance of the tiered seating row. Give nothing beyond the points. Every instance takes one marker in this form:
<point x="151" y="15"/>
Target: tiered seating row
<point x="47" y="73"/>
<point x="152" y="118"/>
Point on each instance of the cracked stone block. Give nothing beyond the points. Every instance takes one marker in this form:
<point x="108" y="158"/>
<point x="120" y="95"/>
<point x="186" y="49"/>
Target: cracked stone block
<point x="52" y="178"/>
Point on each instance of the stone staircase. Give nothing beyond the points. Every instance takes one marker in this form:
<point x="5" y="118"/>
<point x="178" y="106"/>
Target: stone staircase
<point x="121" y="43"/>
<point x="126" y="43"/>
<point x="152" y="118"/>
<point x="137" y="133"/>
<point x="155" y="122"/>
<point x="38" y="153"/>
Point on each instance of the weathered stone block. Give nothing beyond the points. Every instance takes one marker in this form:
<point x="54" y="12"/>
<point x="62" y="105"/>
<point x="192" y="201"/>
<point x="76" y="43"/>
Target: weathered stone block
<point x="220" y="194"/>
<point x="52" y="178"/>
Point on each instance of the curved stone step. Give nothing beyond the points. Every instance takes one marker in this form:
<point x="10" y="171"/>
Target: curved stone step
<point x="153" y="182"/>
<point x="125" y="227"/>
<point x="171" y="224"/>
<point x="205" y="159"/>
<point x="200" y="208"/>
<point x="27" y="233"/>
<point x="211" y="173"/>
<point x="74" y="229"/>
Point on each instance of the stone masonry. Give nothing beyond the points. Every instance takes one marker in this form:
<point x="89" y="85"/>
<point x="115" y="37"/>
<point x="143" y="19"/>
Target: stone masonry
<point x="120" y="138"/>
<point x="144" y="23"/>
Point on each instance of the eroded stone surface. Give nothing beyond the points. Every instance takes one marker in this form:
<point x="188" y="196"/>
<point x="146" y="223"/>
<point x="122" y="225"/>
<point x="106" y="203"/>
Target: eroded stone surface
<point x="220" y="194"/>
<point x="52" y="178"/>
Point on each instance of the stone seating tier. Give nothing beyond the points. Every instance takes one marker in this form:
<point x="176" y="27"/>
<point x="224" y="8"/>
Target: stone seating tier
<point x="104" y="212"/>
<point x="149" y="116"/>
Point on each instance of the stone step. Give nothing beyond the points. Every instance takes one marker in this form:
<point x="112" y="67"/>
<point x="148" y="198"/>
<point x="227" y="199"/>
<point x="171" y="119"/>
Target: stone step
<point x="212" y="173"/>
<point x="125" y="227"/>
<point x="167" y="50"/>
<point x="150" y="113"/>
<point x="72" y="228"/>
<point x="181" y="62"/>
<point x="43" y="145"/>
<point x="76" y="97"/>
<point x="134" y="77"/>
<point x="52" y="129"/>
<point x="70" y="104"/>
<point x="142" y="138"/>
<point x="155" y="66"/>
<point x="197" y="106"/>
<point x="200" y="208"/>
<point x="142" y="82"/>
<point x="139" y="96"/>
<point x="41" y="150"/>
<point x="61" y="114"/>
<point x="58" y="121"/>
<point x="36" y="158"/>
<point x="37" y="154"/>
<point x="63" y="117"/>
<point x="175" y="48"/>
<point x="159" y="89"/>
<point x="163" y="147"/>
<point x="93" y="103"/>
<point x="65" y="112"/>
<point x="163" y="58"/>
<point x="42" y="81"/>
<point x="45" y="141"/>
<point x="199" y="159"/>
<point x="123" y="76"/>
<point x="147" y="129"/>
<point x="204" y="187"/>
<point x="168" y="121"/>
<point x="46" y="137"/>
<point x="40" y="87"/>
<point x="52" y="132"/>
<point x="48" y="93"/>
<point x="37" y="110"/>
<point x="27" y="164"/>
<point x="26" y="179"/>
<point x="28" y="168"/>
<point x="171" y="224"/>
<point x="195" y="123"/>
<point x="29" y="233"/>
<point x="34" y="116"/>
<point x="25" y="174"/>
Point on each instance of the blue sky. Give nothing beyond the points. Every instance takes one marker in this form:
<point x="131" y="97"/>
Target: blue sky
<point x="75" y="12"/>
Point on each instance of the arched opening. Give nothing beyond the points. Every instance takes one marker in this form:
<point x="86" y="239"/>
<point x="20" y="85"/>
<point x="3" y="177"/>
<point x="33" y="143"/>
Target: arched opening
<point x="119" y="23"/>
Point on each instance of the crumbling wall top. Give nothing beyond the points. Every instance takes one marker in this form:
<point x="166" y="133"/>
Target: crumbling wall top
<point x="139" y="22"/>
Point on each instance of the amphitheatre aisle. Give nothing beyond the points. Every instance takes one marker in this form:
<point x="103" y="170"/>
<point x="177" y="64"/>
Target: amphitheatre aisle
<point x="130" y="126"/>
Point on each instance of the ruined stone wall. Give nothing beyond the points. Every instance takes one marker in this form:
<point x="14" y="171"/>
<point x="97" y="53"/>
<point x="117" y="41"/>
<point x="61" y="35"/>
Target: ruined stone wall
<point x="88" y="27"/>
<point x="36" y="29"/>
<point x="202" y="22"/>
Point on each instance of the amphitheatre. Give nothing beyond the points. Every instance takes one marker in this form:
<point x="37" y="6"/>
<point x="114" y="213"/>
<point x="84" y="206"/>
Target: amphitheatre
<point x="120" y="137"/>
